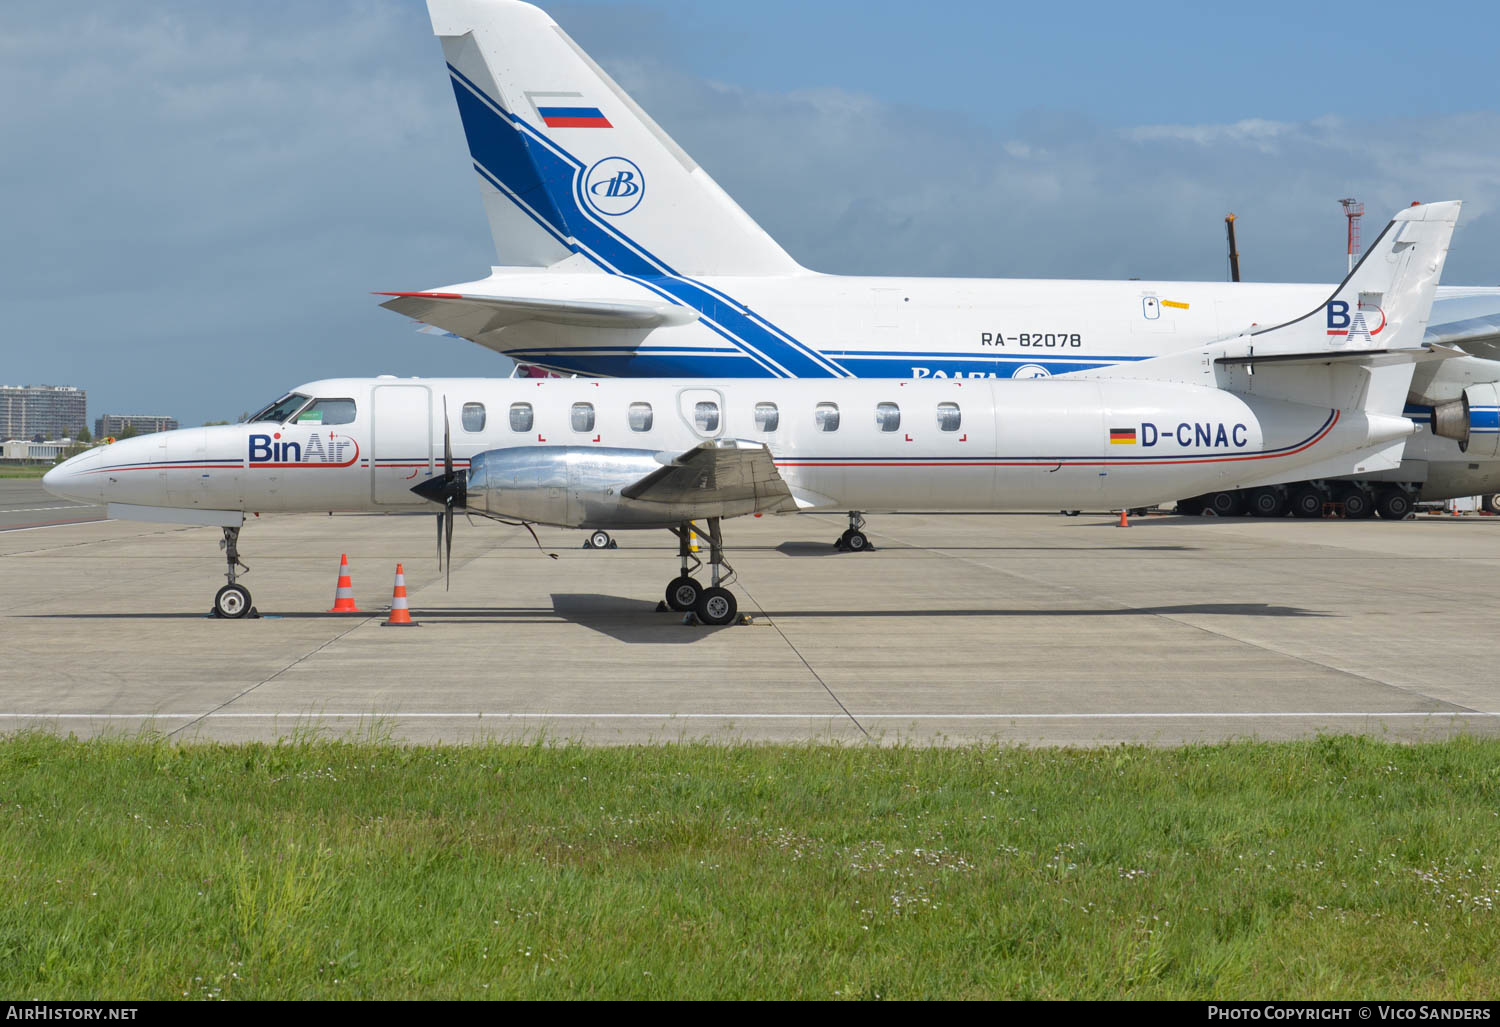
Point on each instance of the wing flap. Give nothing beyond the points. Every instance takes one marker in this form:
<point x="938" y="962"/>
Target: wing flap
<point x="722" y="471"/>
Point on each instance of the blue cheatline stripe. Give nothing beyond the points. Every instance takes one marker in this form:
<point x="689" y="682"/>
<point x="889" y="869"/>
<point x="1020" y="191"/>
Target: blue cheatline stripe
<point x="1049" y="356"/>
<point x="630" y="365"/>
<point x="546" y="181"/>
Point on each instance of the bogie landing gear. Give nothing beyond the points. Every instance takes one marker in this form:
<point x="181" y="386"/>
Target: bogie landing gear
<point x="854" y="540"/>
<point x="714" y="605"/>
<point x="233" y="601"/>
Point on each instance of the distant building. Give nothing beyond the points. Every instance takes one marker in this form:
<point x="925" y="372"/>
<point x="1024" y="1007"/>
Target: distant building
<point x="115" y="425"/>
<point x="31" y="452"/>
<point x="51" y="411"/>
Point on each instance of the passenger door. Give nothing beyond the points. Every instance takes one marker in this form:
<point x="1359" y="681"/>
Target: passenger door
<point x="401" y="443"/>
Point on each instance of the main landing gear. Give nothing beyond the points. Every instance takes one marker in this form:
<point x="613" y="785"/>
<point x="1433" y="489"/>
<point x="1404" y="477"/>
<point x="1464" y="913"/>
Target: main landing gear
<point x="854" y="540"/>
<point x="233" y="601"/>
<point x="713" y="605"/>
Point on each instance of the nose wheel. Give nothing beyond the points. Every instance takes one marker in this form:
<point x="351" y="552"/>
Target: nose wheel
<point x="232" y="602"/>
<point x="854" y="540"/>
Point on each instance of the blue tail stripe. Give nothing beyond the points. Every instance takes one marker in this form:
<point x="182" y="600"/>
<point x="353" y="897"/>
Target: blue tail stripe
<point x="535" y="172"/>
<point x="506" y="155"/>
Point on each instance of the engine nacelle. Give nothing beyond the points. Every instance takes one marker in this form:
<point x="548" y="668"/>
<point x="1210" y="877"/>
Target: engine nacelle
<point x="1472" y="420"/>
<point x="579" y="487"/>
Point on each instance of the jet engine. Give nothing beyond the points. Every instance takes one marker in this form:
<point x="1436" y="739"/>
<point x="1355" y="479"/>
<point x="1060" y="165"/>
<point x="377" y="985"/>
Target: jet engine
<point x="597" y="487"/>
<point x="1472" y="420"/>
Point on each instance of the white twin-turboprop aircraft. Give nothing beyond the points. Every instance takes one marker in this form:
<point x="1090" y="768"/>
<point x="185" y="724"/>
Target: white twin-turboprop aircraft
<point x="1318" y="396"/>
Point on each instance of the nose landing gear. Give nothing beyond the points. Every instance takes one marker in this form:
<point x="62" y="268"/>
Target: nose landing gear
<point x="854" y="540"/>
<point x="233" y="600"/>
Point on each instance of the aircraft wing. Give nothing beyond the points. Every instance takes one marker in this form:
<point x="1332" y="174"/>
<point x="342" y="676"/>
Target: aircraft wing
<point x="722" y="471"/>
<point x="1478" y="335"/>
<point x="476" y="317"/>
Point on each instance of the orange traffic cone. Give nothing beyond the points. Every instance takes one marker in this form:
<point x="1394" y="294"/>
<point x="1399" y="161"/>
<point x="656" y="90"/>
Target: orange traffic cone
<point x="400" y="613"/>
<point x="1124" y="520"/>
<point x="343" y="594"/>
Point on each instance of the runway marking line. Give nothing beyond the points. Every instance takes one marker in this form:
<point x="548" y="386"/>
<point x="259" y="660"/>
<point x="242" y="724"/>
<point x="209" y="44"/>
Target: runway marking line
<point x="738" y="716"/>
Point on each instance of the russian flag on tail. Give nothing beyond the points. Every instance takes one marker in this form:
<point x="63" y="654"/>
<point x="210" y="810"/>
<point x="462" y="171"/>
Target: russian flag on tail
<point x="573" y="117"/>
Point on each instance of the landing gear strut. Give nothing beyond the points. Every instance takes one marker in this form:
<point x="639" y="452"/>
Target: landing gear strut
<point x="854" y="540"/>
<point x="713" y="605"/>
<point x="233" y="601"/>
<point x="683" y="591"/>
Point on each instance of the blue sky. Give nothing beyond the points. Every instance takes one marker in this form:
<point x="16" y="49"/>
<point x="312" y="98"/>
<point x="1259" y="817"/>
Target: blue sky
<point x="199" y="198"/>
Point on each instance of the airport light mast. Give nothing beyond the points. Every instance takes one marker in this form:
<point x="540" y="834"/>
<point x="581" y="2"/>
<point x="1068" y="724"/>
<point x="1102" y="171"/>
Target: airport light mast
<point x="1353" y="210"/>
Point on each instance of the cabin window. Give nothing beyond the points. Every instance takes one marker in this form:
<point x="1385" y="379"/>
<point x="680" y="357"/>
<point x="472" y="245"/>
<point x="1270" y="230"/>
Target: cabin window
<point x="640" y="417"/>
<point x="583" y="417"/>
<point x="706" y="416"/>
<point x="949" y="417"/>
<point x="328" y="411"/>
<point x="473" y="417"/>
<point x="521" y="417"/>
<point x="826" y="417"/>
<point x="767" y="417"/>
<point x="887" y="417"/>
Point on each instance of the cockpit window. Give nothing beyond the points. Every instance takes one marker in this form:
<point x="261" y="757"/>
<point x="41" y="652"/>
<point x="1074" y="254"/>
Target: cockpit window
<point x="328" y="411"/>
<point x="281" y="410"/>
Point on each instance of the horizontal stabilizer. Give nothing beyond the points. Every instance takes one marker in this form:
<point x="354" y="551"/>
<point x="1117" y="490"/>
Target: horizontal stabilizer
<point x="474" y="316"/>
<point x="718" y="471"/>
<point x="1365" y="358"/>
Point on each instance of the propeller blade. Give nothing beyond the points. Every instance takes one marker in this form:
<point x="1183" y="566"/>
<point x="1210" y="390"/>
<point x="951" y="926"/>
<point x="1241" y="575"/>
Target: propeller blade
<point x="448" y="564"/>
<point x="447" y="444"/>
<point x="440" y="541"/>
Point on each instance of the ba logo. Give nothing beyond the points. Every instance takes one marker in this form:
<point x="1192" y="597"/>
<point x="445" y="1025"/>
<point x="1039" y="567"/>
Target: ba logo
<point x="614" y="186"/>
<point x="1366" y="322"/>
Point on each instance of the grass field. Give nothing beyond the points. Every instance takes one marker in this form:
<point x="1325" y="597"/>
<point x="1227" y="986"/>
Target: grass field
<point x="25" y="470"/>
<point x="1336" y="868"/>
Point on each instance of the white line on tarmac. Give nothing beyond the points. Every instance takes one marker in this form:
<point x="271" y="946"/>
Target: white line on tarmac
<point x="325" y="715"/>
<point x="60" y="524"/>
<point x="38" y="509"/>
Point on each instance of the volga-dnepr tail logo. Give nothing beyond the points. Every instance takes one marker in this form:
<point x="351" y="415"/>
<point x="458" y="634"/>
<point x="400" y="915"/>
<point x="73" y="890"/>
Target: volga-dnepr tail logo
<point x="614" y="186"/>
<point x="315" y="451"/>
<point x="1355" y="327"/>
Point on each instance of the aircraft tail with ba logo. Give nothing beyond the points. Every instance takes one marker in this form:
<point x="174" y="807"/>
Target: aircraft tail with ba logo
<point x="572" y="169"/>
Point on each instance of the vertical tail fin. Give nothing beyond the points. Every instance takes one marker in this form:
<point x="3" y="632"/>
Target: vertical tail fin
<point x="568" y="163"/>
<point x="1387" y="299"/>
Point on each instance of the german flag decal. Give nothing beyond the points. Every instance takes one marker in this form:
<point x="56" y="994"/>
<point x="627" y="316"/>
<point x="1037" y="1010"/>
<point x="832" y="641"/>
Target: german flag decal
<point x="1122" y="436"/>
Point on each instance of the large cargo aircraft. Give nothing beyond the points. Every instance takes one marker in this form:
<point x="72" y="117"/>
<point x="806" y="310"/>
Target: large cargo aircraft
<point x="620" y="256"/>
<point x="1296" y="400"/>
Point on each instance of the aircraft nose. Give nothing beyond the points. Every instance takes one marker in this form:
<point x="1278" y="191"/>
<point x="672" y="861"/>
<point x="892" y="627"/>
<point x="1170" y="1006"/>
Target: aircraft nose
<point x="71" y="479"/>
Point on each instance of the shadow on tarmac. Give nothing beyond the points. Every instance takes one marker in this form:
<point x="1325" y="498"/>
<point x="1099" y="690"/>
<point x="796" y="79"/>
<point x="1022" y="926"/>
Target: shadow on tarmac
<point x="636" y="621"/>
<point x="825" y="549"/>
